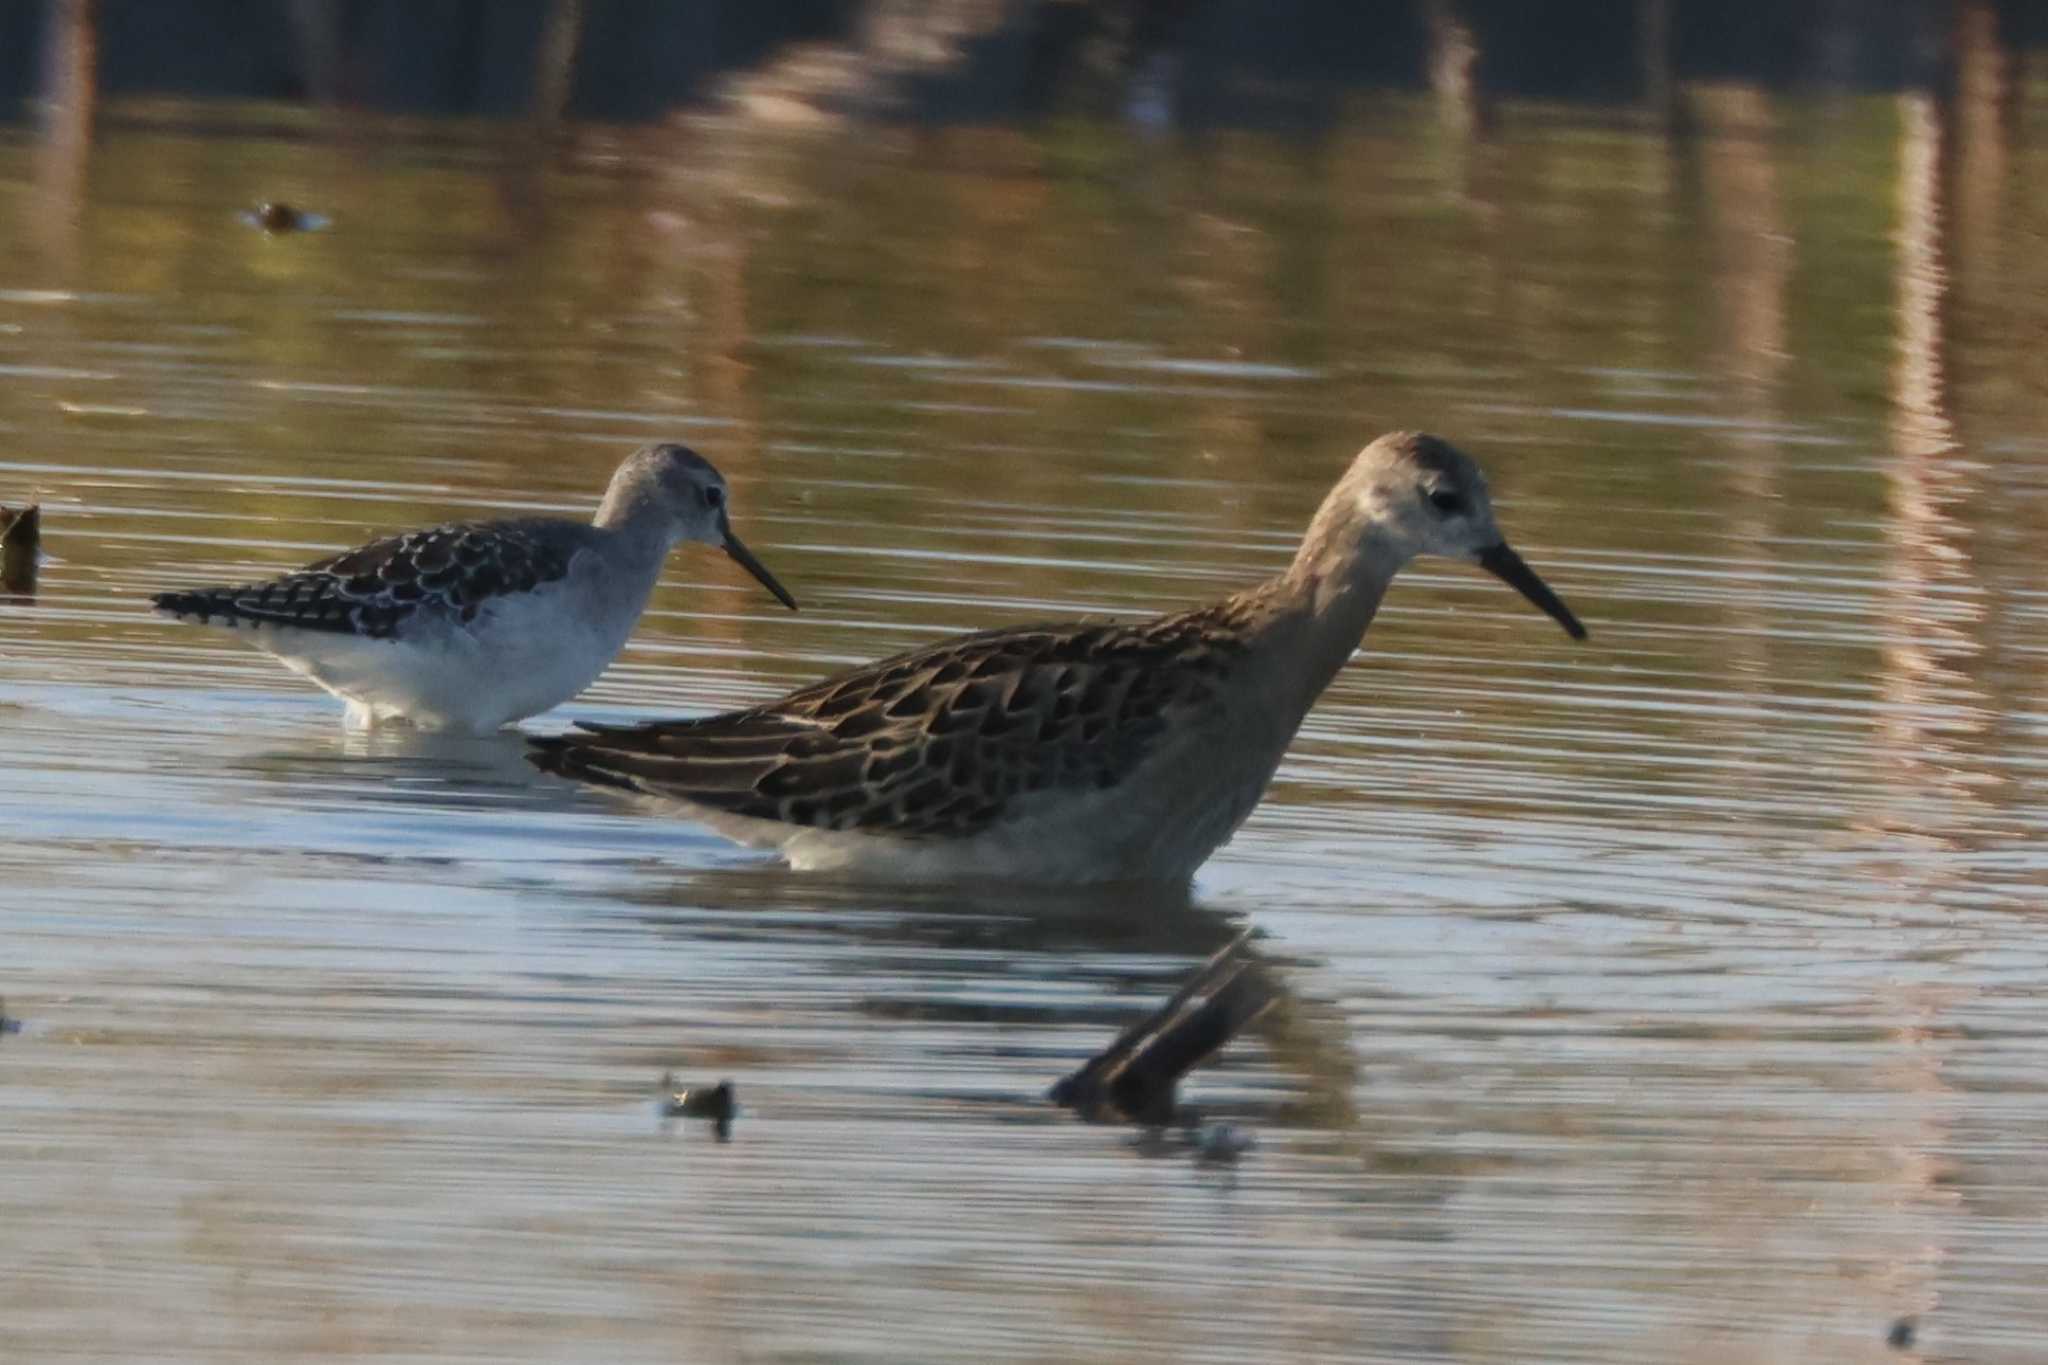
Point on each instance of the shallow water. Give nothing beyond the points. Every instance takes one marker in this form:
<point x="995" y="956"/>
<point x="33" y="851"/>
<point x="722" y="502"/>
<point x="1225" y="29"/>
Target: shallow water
<point x="1669" y="997"/>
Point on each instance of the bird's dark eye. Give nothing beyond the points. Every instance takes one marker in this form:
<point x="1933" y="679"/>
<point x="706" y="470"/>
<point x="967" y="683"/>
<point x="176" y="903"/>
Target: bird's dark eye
<point x="1447" y="501"/>
<point x="714" y="496"/>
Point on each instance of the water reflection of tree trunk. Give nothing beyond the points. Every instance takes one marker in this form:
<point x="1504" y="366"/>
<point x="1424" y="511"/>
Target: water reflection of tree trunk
<point x="1929" y="706"/>
<point x="1463" y="117"/>
<point x="1838" y="46"/>
<point x="69" y="91"/>
<point x="1984" y="95"/>
<point x="531" y="148"/>
<point x="316" y="27"/>
<point x="1653" y="59"/>
<point x="1934" y="603"/>
<point x="1985" y="104"/>
<point x="893" y="45"/>
<point x="1454" y="58"/>
<point x="724" y="378"/>
<point x="554" y="72"/>
<point x="1751" y="255"/>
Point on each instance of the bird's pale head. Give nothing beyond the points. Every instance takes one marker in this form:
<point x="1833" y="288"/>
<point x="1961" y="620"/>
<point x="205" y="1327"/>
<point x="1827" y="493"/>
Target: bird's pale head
<point x="686" y="496"/>
<point x="1411" y="494"/>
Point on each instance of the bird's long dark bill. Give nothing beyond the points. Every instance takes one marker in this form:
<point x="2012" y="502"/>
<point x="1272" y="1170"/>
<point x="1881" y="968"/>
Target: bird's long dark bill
<point x="1504" y="564"/>
<point x="746" y="560"/>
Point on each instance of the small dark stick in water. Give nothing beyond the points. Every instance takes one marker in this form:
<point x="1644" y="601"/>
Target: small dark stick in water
<point x="21" y="539"/>
<point x="719" y="1103"/>
<point x="1135" y="1077"/>
<point x="275" y="216"/>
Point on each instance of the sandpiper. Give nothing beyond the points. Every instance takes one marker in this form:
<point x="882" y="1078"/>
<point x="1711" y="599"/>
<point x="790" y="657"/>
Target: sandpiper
<point x="1067" y="753"/>
<point x="472" y="625"/>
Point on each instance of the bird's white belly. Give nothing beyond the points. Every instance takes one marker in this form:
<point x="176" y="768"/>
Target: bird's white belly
<point x="521" y="655"/>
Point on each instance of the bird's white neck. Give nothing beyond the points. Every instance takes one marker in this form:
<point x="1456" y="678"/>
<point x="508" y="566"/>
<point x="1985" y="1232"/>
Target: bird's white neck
<point x="638" y="522"/>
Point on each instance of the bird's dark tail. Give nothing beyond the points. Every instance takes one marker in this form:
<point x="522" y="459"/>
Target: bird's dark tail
<point x="570" y="756"/>
<point x="207" y="606"/>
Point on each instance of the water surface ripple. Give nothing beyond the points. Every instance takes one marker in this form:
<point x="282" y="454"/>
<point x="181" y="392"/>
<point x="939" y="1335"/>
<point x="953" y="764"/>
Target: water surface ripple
<point x="1671" y="997"/>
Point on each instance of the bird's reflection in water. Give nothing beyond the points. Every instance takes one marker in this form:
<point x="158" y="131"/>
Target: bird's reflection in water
<point x="994" y="918"/>
<point x="397" y="764"/>
<point x="1005" y="971"/>
<point x="1044" y="975"/>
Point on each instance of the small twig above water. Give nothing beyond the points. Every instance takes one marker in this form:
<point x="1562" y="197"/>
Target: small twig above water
<point x="21" y="541"/>
<point x="1135" y="1079"/>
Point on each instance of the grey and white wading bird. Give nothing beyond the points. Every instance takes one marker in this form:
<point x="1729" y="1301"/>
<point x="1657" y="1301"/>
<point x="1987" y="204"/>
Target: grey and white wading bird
<point x="1068" y="753"/>
<point x="473" y="625"/>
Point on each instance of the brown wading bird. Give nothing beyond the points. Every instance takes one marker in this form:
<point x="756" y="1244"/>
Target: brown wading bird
<point x="1070" y="753"/>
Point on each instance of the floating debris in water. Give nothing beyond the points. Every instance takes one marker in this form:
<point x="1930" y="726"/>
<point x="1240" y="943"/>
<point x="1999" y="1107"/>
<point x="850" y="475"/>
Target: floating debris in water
<point x="276" y="216"/>
<point x="1900" y="1338"/>
<point x="7" y="1025"/>
<point x="1221" y="1144"/>
<point x="1135" y="1078"/>
<point x="719" y="1103"/>
<point x="21" y="543"/>
<point x="1210" y="1144"/>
